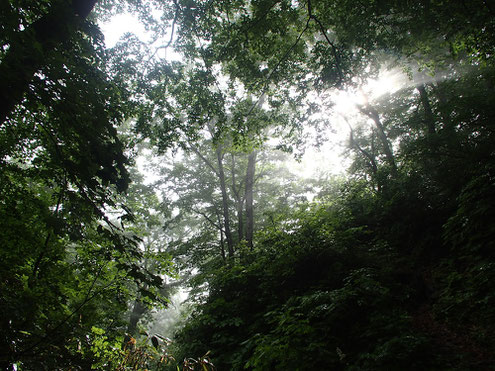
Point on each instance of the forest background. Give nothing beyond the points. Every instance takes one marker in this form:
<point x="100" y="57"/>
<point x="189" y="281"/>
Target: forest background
<point x="389" y="266"/>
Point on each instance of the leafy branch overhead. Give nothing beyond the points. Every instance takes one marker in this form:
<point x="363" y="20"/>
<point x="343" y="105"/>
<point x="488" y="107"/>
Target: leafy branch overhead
<point x="162" y="167"/>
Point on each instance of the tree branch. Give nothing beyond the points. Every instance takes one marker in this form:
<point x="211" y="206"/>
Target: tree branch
<point x="88" y="297"/>
<point x="373" y="114"/>
<point x="267" y="80"/>
<point x="205" y="160"/>
<point x="208" y="219"/>
<point x="332" y="45"/>
<point x="372" y="162"/>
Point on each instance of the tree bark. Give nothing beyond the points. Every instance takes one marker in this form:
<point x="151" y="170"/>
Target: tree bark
<point x="240" y="219"/>
<point x="222" y="246"/>
<point x="222" y="242"/>
<point x="137" y="312"/>
<point x="249" y="198"/>
<point x="225" y="203"/>
<point x="239" y="202"/>
<point x="373" y="114"/>
<point x="429" y="117"/>
<point x="28" y="49"/>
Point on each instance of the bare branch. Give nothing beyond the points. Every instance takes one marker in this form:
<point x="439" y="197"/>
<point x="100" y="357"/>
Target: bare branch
<point x="373" y="114"/>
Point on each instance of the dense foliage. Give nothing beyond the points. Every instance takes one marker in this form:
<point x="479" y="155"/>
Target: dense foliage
<point x="389" y="267"/>
<point x="338" y="285"/>
<point x="392" y="268"/>
<point x="67" y="262"/>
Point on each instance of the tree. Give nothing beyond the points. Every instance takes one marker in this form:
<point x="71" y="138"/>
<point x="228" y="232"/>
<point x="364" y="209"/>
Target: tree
<point x="373" y="114"/>
<point x="68" y="263"/>
<point x="193" y="187"/>
<point x="373" y="274"/>
<point x="250" y="172"/>
<point x="216" y="194"/>
<point x="28" y="48"/>
<point x="429" y="157"/>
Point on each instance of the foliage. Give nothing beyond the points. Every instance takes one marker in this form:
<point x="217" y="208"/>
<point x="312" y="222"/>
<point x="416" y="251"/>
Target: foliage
<point x="145" y="353"/>
<point x="68" y="263"/>
<point x="304" y="296"/>
<point x="391" y="268"/>
<point x="142" y="353"/>
<point x="336" y="286"/>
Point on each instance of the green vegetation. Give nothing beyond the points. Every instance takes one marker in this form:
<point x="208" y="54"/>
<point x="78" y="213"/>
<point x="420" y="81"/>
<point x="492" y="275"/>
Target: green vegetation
<point x="388" y="267"/>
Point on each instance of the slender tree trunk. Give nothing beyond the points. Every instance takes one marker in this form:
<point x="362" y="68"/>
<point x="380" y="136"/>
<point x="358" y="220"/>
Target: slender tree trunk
<point x="239" y="202"/>
<point x="249" y="198"/>
<point x="137" y="312"/>
<point x="368" y="156"/>
<point x="222" y="246"/>
<point x="429" y="117"/>
<point x="222" y="241"/>
<point x="225" y="203"/>
<point x="28" y="49"/>
<point x="240" y="219"/>
<point x="387" y="148"/>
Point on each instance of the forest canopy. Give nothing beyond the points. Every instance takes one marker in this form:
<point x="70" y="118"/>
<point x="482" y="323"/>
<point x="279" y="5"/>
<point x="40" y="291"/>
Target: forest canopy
<point x="389" y="265"/>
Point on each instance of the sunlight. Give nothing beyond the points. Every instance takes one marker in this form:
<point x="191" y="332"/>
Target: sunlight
<point x="388" y="82"/>
<point x="330" y="157"/>
<point x="326" y="160"/>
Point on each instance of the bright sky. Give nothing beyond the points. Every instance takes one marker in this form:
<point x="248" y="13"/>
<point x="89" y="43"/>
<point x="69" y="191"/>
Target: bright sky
<point x="329" y="158"/>
<point x="118" y="26"/>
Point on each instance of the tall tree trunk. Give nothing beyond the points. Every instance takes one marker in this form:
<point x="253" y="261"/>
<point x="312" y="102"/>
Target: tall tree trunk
<point x="387" y="148"/>
<point x="137" y="313"/>
<point x="222" y="241"/>
<point x="28" y="49"/>
<point x="368" y="156"/>
<point x="222" y="246"/>
<point x="240" y="219"/>
<point x="249" y="198"/>
<point x="239" y="201"/>
<point x="225" y="203"/>
<point x="429" y="117"/>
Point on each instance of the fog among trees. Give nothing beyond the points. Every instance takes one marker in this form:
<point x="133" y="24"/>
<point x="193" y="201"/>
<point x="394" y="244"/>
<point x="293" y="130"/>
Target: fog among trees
<point x="154" y="216"/>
